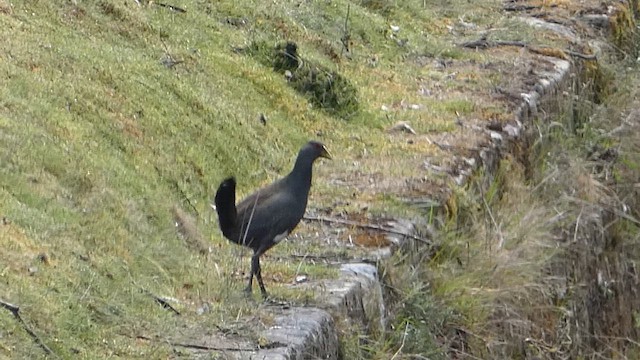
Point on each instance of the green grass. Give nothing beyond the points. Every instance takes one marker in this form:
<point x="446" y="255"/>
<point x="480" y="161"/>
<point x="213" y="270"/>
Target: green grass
<point x="103" y="136"/>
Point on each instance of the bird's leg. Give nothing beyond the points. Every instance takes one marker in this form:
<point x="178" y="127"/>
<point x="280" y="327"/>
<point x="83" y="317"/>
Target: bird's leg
<point x="257" y="270"/>
<point x="258" y="273"/>
<point x="249" y="289"/>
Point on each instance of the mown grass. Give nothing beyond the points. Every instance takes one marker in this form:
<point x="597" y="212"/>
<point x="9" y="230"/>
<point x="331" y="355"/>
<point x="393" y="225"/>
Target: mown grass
<point x="114" y="114"/>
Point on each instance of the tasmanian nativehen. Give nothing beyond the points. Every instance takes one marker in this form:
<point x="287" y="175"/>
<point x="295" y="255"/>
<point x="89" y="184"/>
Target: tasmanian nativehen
<point x="267" y="216"/>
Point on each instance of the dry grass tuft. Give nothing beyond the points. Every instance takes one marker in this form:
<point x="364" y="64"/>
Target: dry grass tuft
<point x="188" y="231"/>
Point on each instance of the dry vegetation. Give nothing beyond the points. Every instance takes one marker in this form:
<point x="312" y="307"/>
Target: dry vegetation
<point x="119" y="118"/>
<point x="541" y="263"/>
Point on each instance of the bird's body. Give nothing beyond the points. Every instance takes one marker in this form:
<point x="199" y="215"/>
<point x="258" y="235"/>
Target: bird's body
<point x="255" y="225"/>
<point x="269" y="215"/>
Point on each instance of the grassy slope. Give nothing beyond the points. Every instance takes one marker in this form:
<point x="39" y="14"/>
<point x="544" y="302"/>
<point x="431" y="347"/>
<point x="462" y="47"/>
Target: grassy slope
<point x="101" y="141"/>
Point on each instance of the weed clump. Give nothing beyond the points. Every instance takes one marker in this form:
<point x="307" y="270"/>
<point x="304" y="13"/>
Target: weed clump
<point x="381" y="7"/>
<point x="325" y="88"/>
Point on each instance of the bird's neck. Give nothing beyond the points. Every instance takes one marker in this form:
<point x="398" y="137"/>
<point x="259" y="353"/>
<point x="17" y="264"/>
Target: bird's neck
<point x="300" y="176"/>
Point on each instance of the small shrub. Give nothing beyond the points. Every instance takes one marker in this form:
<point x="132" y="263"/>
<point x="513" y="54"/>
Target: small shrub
<point x="381" y="7"/>
<point x="324" y="88"/>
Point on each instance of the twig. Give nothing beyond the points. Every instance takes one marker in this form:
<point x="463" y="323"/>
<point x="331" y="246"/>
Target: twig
<point x="483" y="43"/>
<point x="195" y="346"/>
<point x="581" y="55"/>
<point x="367" y="226"/>
<point x="546" y="178"/>
<point x="162" y="301"/>
<point x="168" y="60"/>
<point x="404" y="337"/>
<point x="521" y="7"/>
<point x="15" y="311"/>
<point x="300" y="265"/>
<point x="171" y="7"/>
<point x="493" y="220"/>
<point x="575" y="230"/>
<point x="13" y="308"/>
<point x="346" y="37"/>
<point x="627" y="339"/>
<point x="246" y="231"/>
<point x="610" y="209"/>
<point x="338" y="259"/>
<point x="326" y="259"/>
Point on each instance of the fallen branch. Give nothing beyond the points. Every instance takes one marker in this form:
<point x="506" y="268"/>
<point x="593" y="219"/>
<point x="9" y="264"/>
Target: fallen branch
<point x="367" y="226"/>
<point x="171" y="7"/>
<point x="484" y="43"/>
<point x="15" y="311"/>
<point x="581" y="55"/>
<point x="521" y="7"/>
<point x="271" y="345"/>
<point x="326" y="259"/>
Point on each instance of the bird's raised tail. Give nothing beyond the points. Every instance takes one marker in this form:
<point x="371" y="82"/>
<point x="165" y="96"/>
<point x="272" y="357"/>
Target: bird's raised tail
<point x="226" y="207"/>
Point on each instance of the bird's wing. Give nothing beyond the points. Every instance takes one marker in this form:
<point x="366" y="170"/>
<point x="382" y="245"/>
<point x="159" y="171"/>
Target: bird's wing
<point x="266" y="196"/>
<point x="269" y="213"/>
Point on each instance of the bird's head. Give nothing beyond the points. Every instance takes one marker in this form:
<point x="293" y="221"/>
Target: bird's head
<point x="318" y="149"/>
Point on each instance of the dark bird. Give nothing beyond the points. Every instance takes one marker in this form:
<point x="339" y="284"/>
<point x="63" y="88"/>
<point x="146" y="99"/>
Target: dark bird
<point x="269" y="215"/>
